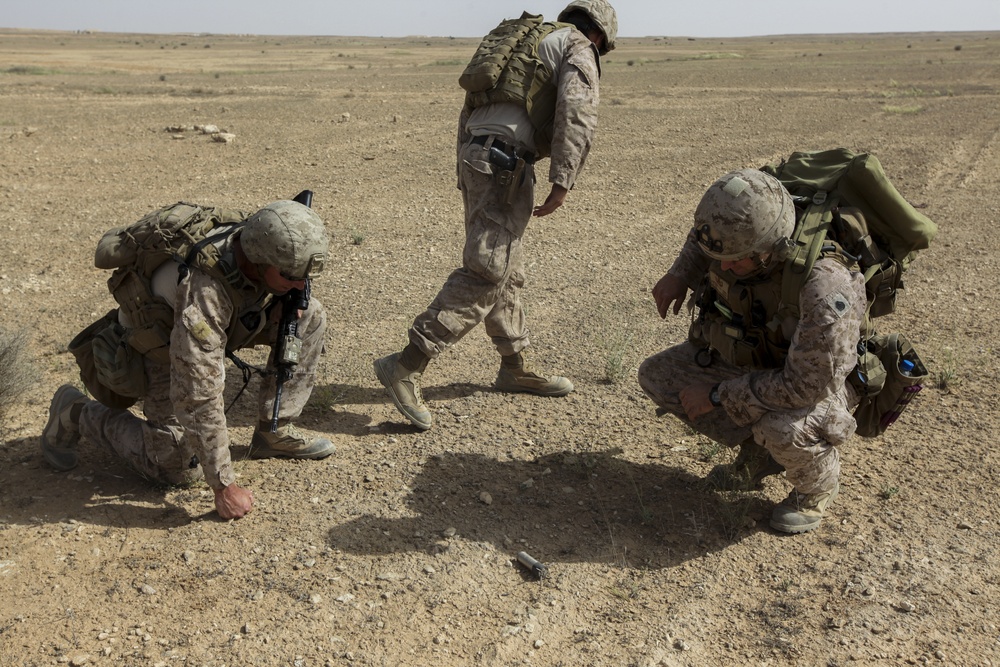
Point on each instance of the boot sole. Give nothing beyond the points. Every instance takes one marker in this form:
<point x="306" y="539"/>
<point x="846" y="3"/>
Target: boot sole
<point x="268" y="453"/>
<point x="519" y="389"/>
<point x="383" y="377"/>
<point x="59" y="458"/>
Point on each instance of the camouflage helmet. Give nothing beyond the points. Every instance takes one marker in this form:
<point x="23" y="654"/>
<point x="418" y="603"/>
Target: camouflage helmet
<point x="602" y="14"/>
<point x="286" y="235"/>
<point x="745" y="212"/>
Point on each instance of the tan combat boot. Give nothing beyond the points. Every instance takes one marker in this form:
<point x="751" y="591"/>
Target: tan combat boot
<point x="800" y="512"/>
<point x="746" y="473"/>
<point x="62" y="430"/>
<point x="288" y="443"/>
<point x="516" y="376"/>
<point x="404" y="388"/>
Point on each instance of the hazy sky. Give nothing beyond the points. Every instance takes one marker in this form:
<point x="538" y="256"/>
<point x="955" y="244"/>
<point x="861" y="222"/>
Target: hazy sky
<point x="473" y="18"/>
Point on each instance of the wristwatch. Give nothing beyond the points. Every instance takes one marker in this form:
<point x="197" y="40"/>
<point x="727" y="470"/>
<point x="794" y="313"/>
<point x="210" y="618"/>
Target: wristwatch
<point x="713" y="396"/>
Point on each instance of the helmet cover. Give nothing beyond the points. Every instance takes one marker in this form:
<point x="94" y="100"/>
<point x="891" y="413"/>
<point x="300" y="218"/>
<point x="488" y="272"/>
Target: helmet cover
<point x="602" y="14"/>
<point x="745" y="212"/>
<point x="288" y="236"/>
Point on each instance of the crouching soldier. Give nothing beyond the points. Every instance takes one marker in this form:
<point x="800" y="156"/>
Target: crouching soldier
<point x="751" y="374"/>
<point x="194" y="284"/>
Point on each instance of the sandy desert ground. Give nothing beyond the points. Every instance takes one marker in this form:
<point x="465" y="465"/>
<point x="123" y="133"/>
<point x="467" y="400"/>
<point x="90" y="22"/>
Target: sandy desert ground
<point x="387" y="553"/>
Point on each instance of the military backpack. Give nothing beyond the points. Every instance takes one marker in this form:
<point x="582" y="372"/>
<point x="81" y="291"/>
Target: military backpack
<point x="881" y="236"/>
<point x="111" y="357"/>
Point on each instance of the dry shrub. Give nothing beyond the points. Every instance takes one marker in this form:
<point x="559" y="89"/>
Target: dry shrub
<point x="16" y="369"/>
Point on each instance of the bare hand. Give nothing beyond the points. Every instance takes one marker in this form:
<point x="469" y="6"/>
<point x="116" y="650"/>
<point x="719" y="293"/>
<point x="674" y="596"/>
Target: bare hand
<point x="669" y="290"/>
<point x="555" y="199"/>
<point x="233" y="502"/>
<point x="695" y="400"/>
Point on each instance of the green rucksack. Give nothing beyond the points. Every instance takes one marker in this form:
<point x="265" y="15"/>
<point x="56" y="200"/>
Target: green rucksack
<point x="883" y="241"/>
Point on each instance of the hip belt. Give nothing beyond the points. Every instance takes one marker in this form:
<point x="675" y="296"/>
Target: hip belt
<point x="510" y="149"/>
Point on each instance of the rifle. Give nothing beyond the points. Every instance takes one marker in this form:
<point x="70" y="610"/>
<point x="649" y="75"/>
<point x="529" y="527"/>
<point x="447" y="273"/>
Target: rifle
<point x="288" y="345"/>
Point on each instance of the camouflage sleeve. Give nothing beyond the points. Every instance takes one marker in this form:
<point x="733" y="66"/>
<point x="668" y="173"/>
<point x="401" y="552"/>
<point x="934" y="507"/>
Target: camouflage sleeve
<point x="577" y="97"/>
<point x="197" y="374"/>
<point x="691" y="264"/>
<point x="823" y="349"/>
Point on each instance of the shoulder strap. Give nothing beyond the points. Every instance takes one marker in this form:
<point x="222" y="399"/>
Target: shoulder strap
<point x="809" y="236"/>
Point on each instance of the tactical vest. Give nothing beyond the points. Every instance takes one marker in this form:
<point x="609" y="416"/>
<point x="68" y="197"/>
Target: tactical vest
<point x="749" y="321"/>
<point x="506" y="68"/>
<point x="187" y="234"/>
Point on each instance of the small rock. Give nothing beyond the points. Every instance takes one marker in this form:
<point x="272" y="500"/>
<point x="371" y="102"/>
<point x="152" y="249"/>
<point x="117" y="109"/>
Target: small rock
<point x="146" y="589"/>
<point x="208" y="129"/>
<point x="316" y="598"/>
<point x="345" y="117"/>
<point x="223" y="137"/>
<point x="485" y="498"/>
<point x="346" y="597"/>
<point x="429" y="570"/>
<point x="906" y="606"/>
<point x="528" y="483"/>
<point x="964" y="525"/>
<point x="449" y="532"/>
<point x="79" y="659"/>
<point x="440" y="639"/>
<point x="188" y="556"/>
<point x="538" y="643"/>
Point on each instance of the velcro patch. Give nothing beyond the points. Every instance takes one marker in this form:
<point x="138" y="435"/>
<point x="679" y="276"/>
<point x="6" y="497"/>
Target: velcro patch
<point x="735" y="187"/>
<point x="201" y="331"/>
<point x="839" y="303"/>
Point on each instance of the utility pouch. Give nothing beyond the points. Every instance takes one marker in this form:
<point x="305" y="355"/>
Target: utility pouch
<point x="82" y="349"/>
<point x="516" y="179"/>
<point x="120" y="366"/>
<point x="903" y="376"/>
<point x="511" y="172"/>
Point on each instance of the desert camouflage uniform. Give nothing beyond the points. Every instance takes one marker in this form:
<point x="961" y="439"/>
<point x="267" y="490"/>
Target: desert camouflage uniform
<point x="487" y="287"/>
<point x="799" y="411"/>
<point x="184" y="408"/>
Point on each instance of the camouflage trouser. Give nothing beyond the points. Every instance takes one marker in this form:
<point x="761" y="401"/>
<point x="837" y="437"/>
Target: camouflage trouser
<point x="797" y="439"/>
<point x="155" y="447"/>
<point x="487" y="287"/>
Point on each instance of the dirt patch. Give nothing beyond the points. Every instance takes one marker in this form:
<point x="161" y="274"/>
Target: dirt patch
<point x="399" y="549"/>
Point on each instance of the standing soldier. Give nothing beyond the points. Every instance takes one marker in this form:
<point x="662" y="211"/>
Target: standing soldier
<point x="177" y="322"/>
<point x="538" y="101"/>
<point x="751" y="374"/>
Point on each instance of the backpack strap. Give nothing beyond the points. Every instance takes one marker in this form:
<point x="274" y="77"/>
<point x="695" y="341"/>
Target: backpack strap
<point x="809" y="237"/>
<point x="198" y="248"/>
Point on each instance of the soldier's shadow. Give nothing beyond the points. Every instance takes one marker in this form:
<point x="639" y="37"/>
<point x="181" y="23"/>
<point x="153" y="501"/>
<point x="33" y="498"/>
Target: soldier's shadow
<point x="563" y="507"/>
<point x="102" y="490"/>
<point x="353" y="394"/>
